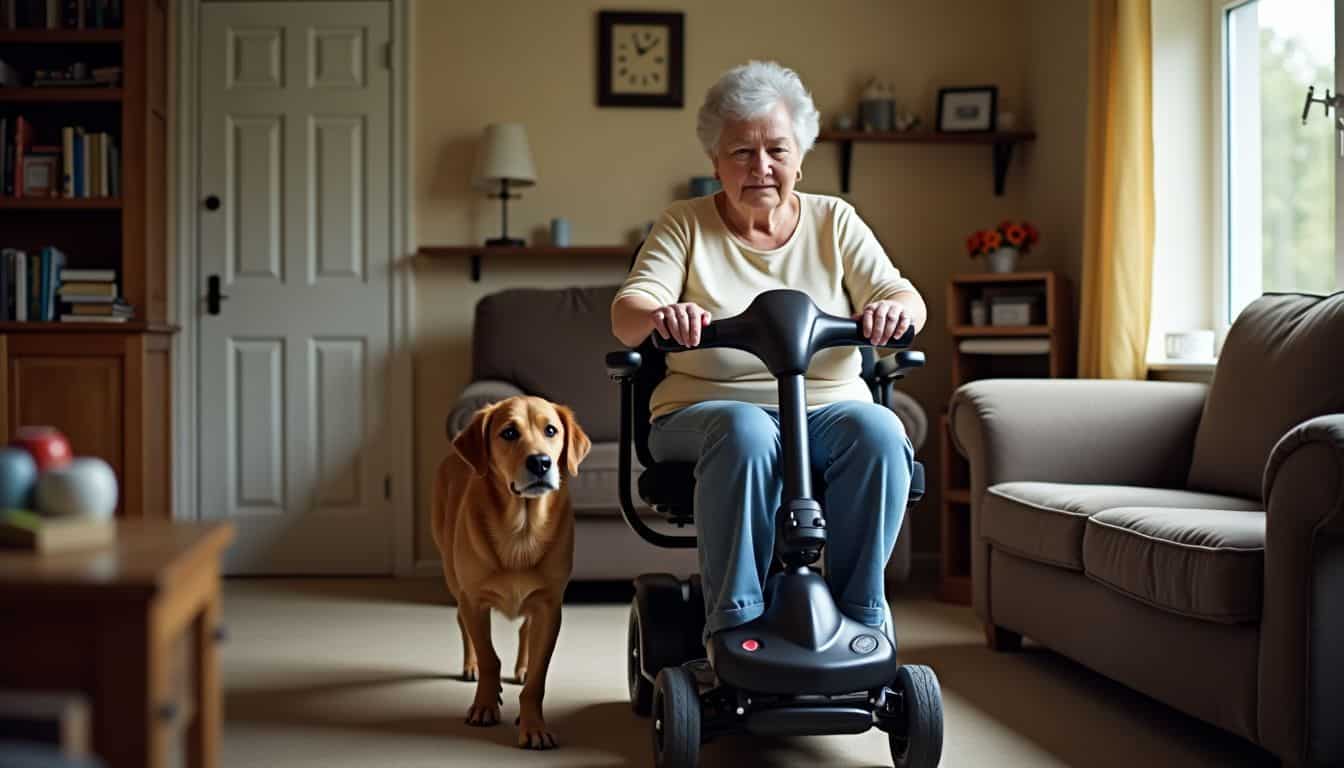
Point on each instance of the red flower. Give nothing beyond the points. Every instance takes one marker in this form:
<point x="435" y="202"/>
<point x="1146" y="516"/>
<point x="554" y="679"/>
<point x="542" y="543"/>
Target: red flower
<point x="973" y="244"/>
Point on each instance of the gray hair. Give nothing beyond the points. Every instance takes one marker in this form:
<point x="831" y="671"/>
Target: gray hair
<point x="752" y="90"/>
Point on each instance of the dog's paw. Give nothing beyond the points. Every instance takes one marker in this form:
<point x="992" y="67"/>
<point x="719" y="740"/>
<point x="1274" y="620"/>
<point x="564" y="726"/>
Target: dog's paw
<point x="484" y="709"/>
<point x="483" y="715"/>
<point x="532" y="734"/>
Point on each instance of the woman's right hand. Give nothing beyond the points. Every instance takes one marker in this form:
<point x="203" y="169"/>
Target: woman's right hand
<point x="680" y="322"/>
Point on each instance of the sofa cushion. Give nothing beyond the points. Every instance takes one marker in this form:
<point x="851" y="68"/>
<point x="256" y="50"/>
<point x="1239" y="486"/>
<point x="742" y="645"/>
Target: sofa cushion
<point x="1202" y="563"/>
<point x="593" y="491"/>
<point x="1279" y="367"/>
<point x="1046" y="521"/>
<point x="552" y="342"/>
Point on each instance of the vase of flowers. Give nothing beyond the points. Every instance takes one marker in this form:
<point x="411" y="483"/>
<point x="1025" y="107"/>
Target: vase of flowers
<point x="1003" y="245"/>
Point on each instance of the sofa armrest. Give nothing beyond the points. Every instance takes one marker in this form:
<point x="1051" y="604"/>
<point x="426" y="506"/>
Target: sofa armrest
<point x="476" y="396"/>
<point x="1301" y="657"/>
<point x="1070" y="431"/>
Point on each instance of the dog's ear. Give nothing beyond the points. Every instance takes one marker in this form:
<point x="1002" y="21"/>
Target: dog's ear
<point x="577" y="443"/>
<point x="473" y="442"/>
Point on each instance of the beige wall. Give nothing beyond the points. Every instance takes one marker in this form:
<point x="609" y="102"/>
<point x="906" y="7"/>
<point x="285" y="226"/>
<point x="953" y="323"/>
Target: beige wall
<point x="1057" y="106"/>
<point x="609" y="170"/>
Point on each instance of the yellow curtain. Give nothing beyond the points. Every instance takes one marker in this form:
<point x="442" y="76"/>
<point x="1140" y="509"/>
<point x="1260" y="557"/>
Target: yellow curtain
<point x="1118" y="228"/>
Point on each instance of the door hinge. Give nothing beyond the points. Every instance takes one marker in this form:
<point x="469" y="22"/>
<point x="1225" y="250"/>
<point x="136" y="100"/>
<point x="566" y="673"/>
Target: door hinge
<point x="387" y="487"/>
<point x="387" y="55"/>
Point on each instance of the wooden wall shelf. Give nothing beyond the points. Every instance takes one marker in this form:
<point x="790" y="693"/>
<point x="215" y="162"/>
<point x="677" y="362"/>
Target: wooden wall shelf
<point x="61" y="203"/>
<point x="62" y="36"/>
<point x="1000" y="330"/>
<point x="475" y="252"/>
<point x="1000" y="142"/>
<point x="130" y="326"/>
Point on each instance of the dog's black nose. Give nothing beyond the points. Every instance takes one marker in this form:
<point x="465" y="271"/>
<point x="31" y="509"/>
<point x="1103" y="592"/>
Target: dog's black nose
<point x="538" y="464"/>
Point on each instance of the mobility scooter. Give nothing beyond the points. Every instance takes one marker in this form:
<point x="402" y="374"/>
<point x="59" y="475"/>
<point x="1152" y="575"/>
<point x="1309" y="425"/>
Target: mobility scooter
<point x="803" y="668"/>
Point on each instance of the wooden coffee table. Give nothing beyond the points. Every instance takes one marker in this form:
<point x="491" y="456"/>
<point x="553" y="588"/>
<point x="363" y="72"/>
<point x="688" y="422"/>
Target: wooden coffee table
<point x="133" y="626"/>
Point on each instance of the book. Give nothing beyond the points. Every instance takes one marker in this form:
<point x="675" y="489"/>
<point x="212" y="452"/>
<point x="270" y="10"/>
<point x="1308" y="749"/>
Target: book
<point x="88" y="275"/>
<point x="119" y="308"/>
<point x="7" y="257"/>
<point x="9" y="77"/>
<point x="86" y="288"/>
<point x="1005" y="346"/>
<point x="22" y="529"/>
<point x="71" y="318"/>
<point x="20" y="286"/>
<point x="76" y="299"/>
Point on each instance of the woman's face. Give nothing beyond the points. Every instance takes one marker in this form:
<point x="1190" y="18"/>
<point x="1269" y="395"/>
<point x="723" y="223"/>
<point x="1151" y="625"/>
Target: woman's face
<point x="757" y="160"/>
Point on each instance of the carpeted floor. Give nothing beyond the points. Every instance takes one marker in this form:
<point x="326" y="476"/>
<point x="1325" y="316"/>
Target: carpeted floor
<point x="346" y="673"/>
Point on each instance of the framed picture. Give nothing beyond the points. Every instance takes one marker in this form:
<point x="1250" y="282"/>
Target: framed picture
<point x="640" y="60"/>
<point x="41" y="173"/>
<point x="962" y="110"/>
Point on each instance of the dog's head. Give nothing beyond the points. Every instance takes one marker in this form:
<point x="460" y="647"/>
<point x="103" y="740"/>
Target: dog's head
<point x="524" y="442"/>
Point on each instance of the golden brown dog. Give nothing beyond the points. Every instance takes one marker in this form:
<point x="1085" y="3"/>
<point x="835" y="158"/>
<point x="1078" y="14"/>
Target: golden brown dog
<point x="505" y="531"/>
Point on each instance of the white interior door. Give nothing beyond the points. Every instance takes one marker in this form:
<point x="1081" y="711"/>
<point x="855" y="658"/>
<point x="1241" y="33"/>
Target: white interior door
<point x="295" y="102"/>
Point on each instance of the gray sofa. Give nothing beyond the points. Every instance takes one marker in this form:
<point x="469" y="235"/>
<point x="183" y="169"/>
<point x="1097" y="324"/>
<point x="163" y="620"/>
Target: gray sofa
<point x="552" y="343"/>
<point x="1185" y="540"/>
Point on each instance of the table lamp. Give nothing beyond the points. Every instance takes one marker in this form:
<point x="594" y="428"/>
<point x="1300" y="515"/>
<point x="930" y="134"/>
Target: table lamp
<point x="505" y="162"/>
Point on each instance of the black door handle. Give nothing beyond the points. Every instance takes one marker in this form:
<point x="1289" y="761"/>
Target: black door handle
<point x="212" y="295"/>
<point x="212" y="203"/>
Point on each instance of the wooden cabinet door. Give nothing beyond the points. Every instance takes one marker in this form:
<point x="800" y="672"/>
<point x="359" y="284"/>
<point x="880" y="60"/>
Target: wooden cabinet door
<point x="76" y="384"/>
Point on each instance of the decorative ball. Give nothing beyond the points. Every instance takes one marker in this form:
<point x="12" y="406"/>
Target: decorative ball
<point x="86" y="487"/>
<point x="18" y="478"/>
<point x="48" y="447"/>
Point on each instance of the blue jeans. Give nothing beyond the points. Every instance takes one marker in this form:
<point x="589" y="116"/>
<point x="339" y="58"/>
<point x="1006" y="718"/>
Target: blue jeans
<point x="867" y="461"/>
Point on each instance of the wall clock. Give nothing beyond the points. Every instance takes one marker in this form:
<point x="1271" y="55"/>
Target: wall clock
<point x="640" y="59"/>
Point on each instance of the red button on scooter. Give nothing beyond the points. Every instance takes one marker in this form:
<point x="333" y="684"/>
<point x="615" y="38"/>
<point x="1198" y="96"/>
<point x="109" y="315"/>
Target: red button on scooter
<point x="750" y="645"/>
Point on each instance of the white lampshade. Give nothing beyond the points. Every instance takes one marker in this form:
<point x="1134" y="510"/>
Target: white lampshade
<point x="505" y="155"/>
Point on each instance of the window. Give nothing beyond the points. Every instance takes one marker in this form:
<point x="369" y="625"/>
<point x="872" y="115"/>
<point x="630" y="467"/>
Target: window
<point x="1279" y="197"/>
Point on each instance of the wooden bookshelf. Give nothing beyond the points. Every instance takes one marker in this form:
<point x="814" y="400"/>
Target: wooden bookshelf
<point x="107" y="386"/>
<point x="1052" y="322"/>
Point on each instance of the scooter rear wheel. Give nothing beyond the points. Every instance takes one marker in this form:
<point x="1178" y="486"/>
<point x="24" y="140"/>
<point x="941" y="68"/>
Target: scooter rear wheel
<point x="641" y="690"/>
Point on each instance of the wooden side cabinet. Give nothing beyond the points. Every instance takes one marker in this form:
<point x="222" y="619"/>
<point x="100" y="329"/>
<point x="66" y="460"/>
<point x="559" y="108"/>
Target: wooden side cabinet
<point x="1042" y="348"/>
<point x="110" y="393"/>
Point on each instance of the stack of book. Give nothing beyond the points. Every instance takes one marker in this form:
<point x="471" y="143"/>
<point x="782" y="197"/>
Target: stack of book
<point x="90" y="296"/>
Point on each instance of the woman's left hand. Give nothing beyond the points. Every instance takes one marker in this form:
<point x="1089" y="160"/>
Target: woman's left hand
<point x="883" y="321"/>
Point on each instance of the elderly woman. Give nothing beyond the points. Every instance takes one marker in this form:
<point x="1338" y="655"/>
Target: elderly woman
<point x="709" y="257"/>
